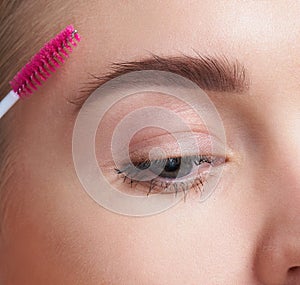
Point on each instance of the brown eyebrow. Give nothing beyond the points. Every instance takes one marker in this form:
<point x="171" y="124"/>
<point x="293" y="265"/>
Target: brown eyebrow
<point x="210" y="73"/>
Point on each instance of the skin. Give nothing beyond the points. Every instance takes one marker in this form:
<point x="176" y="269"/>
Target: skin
<point x="247" y="232"/>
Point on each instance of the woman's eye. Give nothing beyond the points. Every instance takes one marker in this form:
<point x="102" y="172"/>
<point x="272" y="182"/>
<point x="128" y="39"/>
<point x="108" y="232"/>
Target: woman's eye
<point x="169" y="175"/>
<point x="168" y="168"/>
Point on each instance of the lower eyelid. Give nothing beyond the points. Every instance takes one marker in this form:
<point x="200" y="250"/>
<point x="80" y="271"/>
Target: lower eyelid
<point x="169" y="187"/>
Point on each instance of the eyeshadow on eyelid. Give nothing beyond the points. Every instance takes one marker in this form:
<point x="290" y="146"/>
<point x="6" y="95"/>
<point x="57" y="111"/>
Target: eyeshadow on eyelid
<point x="153" y="102"/>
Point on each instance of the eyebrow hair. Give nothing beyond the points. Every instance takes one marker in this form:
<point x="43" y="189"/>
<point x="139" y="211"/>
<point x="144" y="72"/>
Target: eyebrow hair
<point x="211" y="73"/>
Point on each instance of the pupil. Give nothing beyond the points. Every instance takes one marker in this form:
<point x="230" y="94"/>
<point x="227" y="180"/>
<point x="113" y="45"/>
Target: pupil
<point x="177" y="167"/>
<point x="172" y="164"/>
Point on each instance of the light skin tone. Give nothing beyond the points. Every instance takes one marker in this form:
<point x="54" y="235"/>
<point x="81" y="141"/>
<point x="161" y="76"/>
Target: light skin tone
<point x="247" y="232"/>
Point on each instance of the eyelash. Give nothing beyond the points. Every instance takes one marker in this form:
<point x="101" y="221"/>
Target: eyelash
<point x="169" y="184"/>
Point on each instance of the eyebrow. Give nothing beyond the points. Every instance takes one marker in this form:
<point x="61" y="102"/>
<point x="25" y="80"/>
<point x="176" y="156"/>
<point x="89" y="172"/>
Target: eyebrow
<point x="211" y="73"/>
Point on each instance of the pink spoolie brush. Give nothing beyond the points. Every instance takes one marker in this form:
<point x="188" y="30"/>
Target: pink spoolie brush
<point x="39" y="68"/>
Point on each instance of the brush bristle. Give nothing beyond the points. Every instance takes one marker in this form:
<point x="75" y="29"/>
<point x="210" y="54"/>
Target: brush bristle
<point x="50" y="57"/>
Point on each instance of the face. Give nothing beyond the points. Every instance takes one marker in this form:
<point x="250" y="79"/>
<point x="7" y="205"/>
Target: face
<point x="246" y="232"/>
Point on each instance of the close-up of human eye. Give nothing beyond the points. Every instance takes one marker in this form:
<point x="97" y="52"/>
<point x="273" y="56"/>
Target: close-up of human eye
<point x="173" y="174"/>
<point x="154" y="143"/>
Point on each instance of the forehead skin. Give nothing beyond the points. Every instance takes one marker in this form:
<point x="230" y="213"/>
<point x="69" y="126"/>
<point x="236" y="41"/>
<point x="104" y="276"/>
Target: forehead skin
<point x="50" y="217"/>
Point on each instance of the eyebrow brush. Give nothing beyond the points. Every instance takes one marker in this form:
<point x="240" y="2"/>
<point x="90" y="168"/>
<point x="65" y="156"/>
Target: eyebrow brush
<point x="39" y="68"/>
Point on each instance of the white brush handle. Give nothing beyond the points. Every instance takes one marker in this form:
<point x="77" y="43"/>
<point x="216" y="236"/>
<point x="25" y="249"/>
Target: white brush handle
<point x="8" y="101"/>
